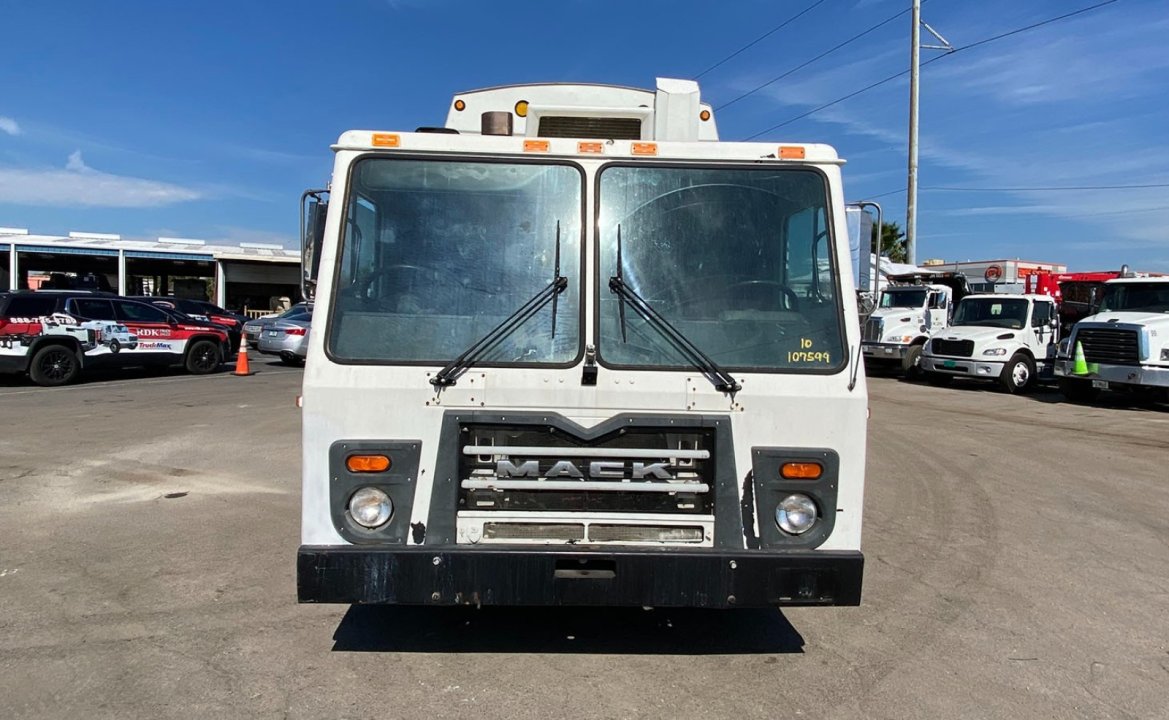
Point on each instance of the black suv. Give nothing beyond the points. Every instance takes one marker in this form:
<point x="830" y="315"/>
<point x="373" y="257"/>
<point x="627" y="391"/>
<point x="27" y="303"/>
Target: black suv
<point x="54" y="335"/>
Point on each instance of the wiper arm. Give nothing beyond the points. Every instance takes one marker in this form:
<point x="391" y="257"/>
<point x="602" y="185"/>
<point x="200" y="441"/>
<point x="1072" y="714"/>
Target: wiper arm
<point x="450" y="373"/>
<point x="721" y="379"/>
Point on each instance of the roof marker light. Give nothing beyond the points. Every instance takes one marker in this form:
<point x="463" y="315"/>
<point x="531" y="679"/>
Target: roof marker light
<point x="536" y="145"/>
<point x="791" y="152"/>
<point x="590" y="148"/>
<point x="521" y="108"/>
<point x="704" y="115"/>
<point x="460" y="105"/>
<point x="386" y="140"/>
<point x="643" y="148"/>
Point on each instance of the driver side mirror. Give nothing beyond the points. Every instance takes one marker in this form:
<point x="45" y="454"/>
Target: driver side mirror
<point x="313" y="211"/>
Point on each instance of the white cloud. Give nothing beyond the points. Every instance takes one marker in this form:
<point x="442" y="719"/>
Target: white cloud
<point x="9" y="126"/>
<point x="78" y="185"/>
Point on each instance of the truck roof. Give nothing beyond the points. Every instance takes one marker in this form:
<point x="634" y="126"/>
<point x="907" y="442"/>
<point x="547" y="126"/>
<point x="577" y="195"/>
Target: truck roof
<point x="1009" y="296"/>
<point x="1125" y="280"/>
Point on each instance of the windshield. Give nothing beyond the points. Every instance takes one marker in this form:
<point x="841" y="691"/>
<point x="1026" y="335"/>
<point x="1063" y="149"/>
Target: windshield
<point x="738" y="260"/>
<point x="437" y="253"/>
<point x="1141" y="297"/>
<point x="993" y="312"/>
<point x="903" y="298"/>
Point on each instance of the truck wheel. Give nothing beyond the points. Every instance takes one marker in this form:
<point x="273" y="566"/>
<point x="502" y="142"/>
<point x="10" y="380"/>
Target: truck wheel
<point x="1019" y="374"/>
<point x="939" y="379"/>
<point x="1078" y="391"/>
<point x="54" y="365"/>
<point x="202" y="357"/>
<point x="911" y="363"/>
<point x="115" y="346"/>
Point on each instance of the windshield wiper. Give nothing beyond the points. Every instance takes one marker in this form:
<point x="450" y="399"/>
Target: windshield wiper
<point x="449" y="375"/>
<point x="721" y="379"/>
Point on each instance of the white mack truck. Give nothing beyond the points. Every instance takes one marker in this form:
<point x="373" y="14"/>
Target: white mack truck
<point x="1010" y="339"/>
<point x="1124" y="346"/>
<point x="571" y="349"/>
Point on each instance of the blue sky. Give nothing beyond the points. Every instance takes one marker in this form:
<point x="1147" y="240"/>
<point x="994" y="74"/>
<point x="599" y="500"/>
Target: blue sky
<point x="208" y="119"/>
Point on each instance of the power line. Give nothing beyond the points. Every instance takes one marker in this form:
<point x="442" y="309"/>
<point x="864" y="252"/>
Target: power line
<point x="770" y="32"/>
<point x="975" y="44"/>
<point x="821" y="56"/>
<point x="1031" y="188"/>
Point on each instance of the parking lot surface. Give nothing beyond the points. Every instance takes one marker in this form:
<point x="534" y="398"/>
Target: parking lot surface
<point x="1017" y="566"/>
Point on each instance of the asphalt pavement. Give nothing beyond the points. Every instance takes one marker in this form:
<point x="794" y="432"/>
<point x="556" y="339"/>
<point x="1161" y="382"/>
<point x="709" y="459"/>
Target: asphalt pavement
<point x="1017" y="566"/>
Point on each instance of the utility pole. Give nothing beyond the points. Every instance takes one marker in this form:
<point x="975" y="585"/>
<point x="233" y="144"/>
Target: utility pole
<point x="911" y="190"/>
<point x="915" y="47"/>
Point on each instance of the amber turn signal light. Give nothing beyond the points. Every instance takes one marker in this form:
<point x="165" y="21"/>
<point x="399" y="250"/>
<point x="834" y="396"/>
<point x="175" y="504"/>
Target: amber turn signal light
<point x="801" y="471"/>
<point x="367" y="463"/>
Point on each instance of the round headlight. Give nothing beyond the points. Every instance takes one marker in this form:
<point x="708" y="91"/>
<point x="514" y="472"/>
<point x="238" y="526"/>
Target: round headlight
<point x="796" y="514"/>
<point x="370" y="507"/>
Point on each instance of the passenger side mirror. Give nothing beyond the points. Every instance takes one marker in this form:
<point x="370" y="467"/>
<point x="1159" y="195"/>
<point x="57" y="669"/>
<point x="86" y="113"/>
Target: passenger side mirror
<point x="313" y="211"/>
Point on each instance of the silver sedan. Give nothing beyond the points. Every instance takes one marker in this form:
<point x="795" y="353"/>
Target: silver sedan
<point x="287" y="339"/>
<point x="253" y="328"/>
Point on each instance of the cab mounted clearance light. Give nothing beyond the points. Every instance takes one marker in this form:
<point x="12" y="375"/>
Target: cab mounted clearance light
<point x="460" y="105"/>
<point x="367" y="463"/>
<point x="521" y="108"/>
<point x="704" y="115"/>
<point x="801" y="470"/>
<point x="590" y="148"/>
<point x="536" y="145"/>
<point x="791" y="152"/>
<point x="643" y="148"/>
<point x="386" y="140"/>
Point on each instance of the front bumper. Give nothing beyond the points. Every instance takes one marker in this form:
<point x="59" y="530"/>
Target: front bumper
<point x="884" y="351"/>
<point x="963" y="367"/>
<point x="1142" y="375"/>
<point x="456" y="575"/>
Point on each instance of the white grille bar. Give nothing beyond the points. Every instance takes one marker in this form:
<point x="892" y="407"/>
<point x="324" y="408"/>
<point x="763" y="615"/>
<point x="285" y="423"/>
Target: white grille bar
<point x="601" y="486"/>
<point x="585" y="452"/>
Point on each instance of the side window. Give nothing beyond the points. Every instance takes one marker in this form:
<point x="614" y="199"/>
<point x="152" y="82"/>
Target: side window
<point x="92" y="308"/>
<point x="30" y="306"/>
<point x="138" y="312"/>
<point x="1041" y="315"/>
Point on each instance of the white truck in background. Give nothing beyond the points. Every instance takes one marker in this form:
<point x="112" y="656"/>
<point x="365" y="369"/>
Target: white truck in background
<point x="906" y="314"/>
<point x="1010" y="339"/>
<point x="1124" y="346"/>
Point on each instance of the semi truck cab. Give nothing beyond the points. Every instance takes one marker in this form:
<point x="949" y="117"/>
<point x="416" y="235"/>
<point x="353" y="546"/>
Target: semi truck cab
<point x="905" y="317"/>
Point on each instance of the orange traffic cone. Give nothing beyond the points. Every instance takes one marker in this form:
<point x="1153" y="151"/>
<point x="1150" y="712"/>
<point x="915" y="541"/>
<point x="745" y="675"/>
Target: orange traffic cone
<point x="241" y="358"/>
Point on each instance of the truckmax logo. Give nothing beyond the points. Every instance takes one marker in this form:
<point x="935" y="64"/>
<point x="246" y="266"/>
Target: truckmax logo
<point x="598" y="469"/>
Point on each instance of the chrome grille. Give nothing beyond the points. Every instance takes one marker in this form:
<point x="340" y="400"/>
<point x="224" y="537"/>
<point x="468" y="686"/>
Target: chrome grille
<point x="874" y="327"/>
<point x="1116" y="346"/>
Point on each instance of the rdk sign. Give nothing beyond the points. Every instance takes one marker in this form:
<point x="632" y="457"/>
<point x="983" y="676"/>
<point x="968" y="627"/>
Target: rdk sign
<point x="599" y="470"/>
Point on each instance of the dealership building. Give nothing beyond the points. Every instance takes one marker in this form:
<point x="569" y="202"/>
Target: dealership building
<point x="252" y="276"/>
<point x="996" y="276"/>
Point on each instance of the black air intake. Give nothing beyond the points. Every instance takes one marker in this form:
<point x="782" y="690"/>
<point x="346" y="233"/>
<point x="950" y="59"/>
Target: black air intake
<point x="602" y="128"/>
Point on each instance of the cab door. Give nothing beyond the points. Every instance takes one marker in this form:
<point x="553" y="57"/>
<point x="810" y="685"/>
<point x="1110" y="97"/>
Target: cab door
<point x="1044" y="329"/>
<point x="936" y="311"/>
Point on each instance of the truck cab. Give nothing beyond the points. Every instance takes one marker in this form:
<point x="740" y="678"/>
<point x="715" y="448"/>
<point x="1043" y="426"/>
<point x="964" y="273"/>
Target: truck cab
<point x="1010" y="339"/>
<point x="572" y="349"/>
<point x="905" y="317"/>
<point x="1124" y="346"/>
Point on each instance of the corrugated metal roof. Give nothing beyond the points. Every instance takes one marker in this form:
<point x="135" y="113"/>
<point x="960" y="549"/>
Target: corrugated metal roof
<point x="245" y="251"/>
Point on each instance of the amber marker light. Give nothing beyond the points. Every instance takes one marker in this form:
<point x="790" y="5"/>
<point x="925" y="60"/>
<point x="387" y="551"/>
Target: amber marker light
<point x="801" y="471"/>
<point x="644" y="148"/>
<point x="704" y="115"/>
<point x="590" y="148"/>
<point x="460" y="105"/>
<point x="521" y="108"/>
<point x="791" y="152"/>
<point x="386" y="140"/>
<point x="367" y="463"/>
<point x="536" y="145"/>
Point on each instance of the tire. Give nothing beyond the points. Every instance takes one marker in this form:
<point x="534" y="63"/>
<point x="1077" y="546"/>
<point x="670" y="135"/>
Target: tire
<point x="203" y="357"/>
<point x="54" y="365"/>
<point x="911" y="363"/>
<point x="1078" y="391"/>
<point x="939" y="379"/>
<point x="115" y="346"/>
<point x="1018" y="374"/>
<point x="287" y="358"/>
